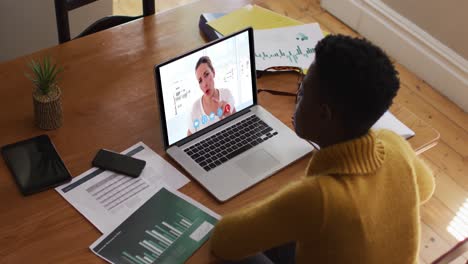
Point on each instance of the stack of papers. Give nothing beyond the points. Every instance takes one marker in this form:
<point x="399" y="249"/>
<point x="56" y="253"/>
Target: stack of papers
<point x="143" y="219"/>
<point x="279" y="40"/>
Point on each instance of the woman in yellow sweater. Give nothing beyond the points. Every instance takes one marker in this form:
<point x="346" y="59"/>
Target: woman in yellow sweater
<point x="359" y="200"/>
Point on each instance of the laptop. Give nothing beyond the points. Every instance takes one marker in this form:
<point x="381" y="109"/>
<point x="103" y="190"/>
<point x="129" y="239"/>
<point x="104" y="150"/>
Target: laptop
<point x="219" y="134"/>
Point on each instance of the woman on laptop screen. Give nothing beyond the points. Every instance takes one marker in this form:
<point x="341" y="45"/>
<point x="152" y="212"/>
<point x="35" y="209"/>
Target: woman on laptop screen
<point x="215" y="103"/>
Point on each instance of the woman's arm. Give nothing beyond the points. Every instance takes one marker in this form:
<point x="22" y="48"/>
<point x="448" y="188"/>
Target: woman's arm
<point x="289" y="215"/>
<point x="424" y="179"/>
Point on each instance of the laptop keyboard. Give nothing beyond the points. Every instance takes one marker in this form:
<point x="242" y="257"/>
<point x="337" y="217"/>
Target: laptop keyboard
<point x="230" y="142"/>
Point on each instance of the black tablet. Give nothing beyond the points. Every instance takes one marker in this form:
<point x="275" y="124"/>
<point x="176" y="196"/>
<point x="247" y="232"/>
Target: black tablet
<point x="35" y="164"/>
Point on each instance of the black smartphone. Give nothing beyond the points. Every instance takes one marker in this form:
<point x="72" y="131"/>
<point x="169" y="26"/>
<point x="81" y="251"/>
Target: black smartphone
<point x="120" y="163"/>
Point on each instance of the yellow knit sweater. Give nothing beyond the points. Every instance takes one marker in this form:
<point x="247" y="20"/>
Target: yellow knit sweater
<point x="358" y="203"/>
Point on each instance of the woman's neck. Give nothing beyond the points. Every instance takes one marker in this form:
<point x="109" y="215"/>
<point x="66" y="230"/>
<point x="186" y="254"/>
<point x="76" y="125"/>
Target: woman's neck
<point x="210" y="105"/>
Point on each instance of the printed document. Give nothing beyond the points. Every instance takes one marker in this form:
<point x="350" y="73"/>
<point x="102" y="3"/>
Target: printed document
<point x="168" y="228"/>
<point x="106" y="198"/>
<point x="286" y="46"/>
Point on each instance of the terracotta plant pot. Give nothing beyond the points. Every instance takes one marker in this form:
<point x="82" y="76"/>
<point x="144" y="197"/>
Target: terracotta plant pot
<point x="48" y="109"/>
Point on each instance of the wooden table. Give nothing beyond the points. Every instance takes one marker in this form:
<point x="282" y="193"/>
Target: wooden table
<point x="110" y="102"/>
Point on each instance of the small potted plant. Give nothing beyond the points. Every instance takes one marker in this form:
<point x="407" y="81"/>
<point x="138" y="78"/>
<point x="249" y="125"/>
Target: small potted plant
<point x="46" y="94"/>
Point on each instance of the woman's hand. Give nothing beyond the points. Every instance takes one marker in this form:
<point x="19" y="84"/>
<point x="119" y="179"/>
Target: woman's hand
<point x="225" y="107"/>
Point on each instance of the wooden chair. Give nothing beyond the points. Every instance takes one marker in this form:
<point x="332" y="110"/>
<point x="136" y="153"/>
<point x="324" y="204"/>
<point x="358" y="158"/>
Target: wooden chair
<point x="62" y="7"/>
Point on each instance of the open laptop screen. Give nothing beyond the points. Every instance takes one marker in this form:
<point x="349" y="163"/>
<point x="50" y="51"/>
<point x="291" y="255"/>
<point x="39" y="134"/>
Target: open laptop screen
<point x="205" y="86"/>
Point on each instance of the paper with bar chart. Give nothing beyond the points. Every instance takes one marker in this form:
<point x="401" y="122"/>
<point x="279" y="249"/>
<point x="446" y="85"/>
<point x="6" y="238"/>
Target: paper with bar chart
<point x="168" y="228"/>
<point x="286" y="46"/>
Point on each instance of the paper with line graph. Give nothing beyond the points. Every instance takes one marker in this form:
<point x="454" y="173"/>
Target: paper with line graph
<point x="106" y="198"/>
<point x="168" y="228"/>
<point x="286" y="46"/>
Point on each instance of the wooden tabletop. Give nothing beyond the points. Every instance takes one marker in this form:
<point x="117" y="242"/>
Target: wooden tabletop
<point x="109" y="101"/>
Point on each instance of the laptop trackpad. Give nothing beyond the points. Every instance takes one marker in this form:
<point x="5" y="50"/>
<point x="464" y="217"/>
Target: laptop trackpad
<point x="257" y="163"/>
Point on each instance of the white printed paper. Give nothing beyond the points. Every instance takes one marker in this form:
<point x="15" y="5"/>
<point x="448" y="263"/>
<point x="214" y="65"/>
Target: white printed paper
<point x="106" y="198"/>
<point x="286" y="46"/>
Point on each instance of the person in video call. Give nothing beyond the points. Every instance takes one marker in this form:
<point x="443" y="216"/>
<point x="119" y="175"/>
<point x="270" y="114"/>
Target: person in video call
<point x="360" y="198"/>
<point x="215" y="104"/>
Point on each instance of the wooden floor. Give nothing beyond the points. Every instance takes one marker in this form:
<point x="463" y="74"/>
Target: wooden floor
<point x="448" y="160"/>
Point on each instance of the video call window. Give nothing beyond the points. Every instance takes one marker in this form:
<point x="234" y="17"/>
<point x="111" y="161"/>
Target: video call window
<point x="206" y="86"/>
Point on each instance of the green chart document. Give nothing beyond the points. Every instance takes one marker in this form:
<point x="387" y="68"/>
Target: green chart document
<point x="168" y="228"/>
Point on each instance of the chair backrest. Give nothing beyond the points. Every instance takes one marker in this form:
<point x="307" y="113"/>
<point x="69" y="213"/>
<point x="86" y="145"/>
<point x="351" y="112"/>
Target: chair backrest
<point x="62" y="7"/>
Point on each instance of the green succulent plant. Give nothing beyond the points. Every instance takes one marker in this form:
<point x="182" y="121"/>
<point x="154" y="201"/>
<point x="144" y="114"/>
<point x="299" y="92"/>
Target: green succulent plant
<point x="44" y="74"/>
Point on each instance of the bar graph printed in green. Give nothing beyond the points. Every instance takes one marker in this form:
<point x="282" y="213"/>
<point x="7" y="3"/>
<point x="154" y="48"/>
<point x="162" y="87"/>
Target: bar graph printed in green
<point x="166" y="229"/>
<point x="162" y="237"/>
<point x="292" y="55"/>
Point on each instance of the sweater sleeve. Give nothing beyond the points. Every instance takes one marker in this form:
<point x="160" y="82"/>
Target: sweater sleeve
<point x="424" y="179"/>
<point x="293" y="212"/>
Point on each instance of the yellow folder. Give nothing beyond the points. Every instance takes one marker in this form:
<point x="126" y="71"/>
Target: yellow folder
<point x="251" y="15"/>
